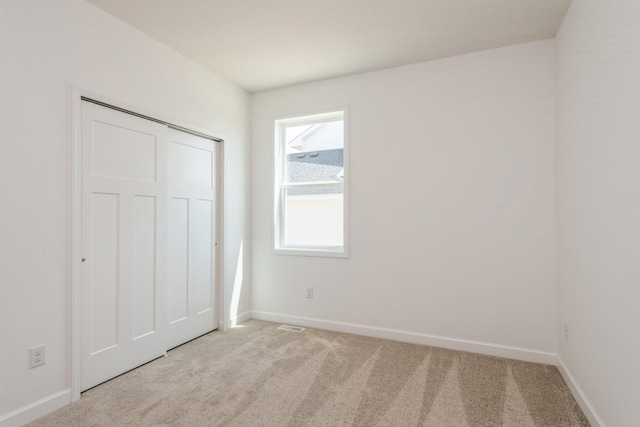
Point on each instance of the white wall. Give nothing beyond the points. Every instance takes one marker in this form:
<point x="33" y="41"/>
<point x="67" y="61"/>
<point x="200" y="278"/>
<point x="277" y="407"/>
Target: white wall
<point x="599" y="204"/>
<point x="45" y="47"/>
<point x="452" y="205"/>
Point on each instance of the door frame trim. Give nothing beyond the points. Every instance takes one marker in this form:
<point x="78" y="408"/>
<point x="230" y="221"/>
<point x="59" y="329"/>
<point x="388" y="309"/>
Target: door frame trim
<point x="75" y="222"/>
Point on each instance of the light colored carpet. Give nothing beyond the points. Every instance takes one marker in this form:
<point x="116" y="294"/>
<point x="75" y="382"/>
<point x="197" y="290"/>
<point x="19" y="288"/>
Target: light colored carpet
<point x="257" y="375"/>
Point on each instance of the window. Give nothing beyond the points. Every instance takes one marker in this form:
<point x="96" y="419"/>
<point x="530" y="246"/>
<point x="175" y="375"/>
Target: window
<point x="310" y="185"/>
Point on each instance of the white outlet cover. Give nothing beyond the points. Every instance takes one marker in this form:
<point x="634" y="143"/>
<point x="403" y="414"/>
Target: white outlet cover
<point x="37" y="356"/>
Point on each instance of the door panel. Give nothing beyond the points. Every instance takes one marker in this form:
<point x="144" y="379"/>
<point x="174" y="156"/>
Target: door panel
<point x="124" y="226"/>
<point x="103" y="285"/>
<point x="144" y="258"/>
<point x="178" y="276"/>
<point x="203" y="268"/>
<point x="192" y="237"/>
<point x="191" y="166"/>
<point x="123" y="153"/>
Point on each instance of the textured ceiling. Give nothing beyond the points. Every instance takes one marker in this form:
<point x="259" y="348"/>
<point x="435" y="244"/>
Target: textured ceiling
<point x="263" y="44"/>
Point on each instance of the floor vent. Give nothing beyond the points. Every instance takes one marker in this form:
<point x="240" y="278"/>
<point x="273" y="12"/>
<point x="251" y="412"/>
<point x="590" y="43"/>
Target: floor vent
<point x="291" y="328"/>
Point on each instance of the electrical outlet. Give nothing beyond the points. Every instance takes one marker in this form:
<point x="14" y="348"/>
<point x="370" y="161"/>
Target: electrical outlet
<point x="566" y="331"/>
<point x="309" y="292"/>
<point x="38" y="356"/>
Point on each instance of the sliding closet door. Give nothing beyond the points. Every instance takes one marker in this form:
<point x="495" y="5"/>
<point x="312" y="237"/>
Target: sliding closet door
<point x="124" y="229"/>
<point x="192" y="237"/>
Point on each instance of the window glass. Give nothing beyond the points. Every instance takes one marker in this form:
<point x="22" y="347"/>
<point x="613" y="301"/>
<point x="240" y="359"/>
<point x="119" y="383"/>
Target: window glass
<point x="314" y="217"/>
<point x="316" y="154"/>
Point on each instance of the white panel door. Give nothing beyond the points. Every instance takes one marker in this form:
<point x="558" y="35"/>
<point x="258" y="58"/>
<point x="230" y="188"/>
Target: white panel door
<point x="124" y="231"/>
<point x="192" y="237"/>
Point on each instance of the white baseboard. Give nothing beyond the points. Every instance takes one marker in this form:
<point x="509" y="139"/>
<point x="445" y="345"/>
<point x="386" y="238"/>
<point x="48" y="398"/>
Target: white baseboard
<point x="524" y="354"/>
<point x="234" y="320"/>
<point x="36" y="409"/>
<point x="578" y="394"/>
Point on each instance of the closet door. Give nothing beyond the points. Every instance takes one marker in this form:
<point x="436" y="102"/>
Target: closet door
<point x="192" y="237"/>
<point x="124" y="228"/>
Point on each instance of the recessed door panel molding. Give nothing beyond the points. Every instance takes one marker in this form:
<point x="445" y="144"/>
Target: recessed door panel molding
<point x="191" y="166"/>
<point x="203" y="262"/>
<point x="144" y="266"/>
<point x="123" y="273"/>
<point x="103" y="292"/>
<point x="123" y="153"/>
<point x="192" y="236"/>
<point x="178" y="266"/>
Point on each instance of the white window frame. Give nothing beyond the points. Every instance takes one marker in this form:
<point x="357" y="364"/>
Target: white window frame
<point x="281" y="186"/>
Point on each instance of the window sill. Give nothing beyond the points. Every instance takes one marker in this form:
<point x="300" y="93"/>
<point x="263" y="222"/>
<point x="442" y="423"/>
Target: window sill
<point x="323" y="253"/>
